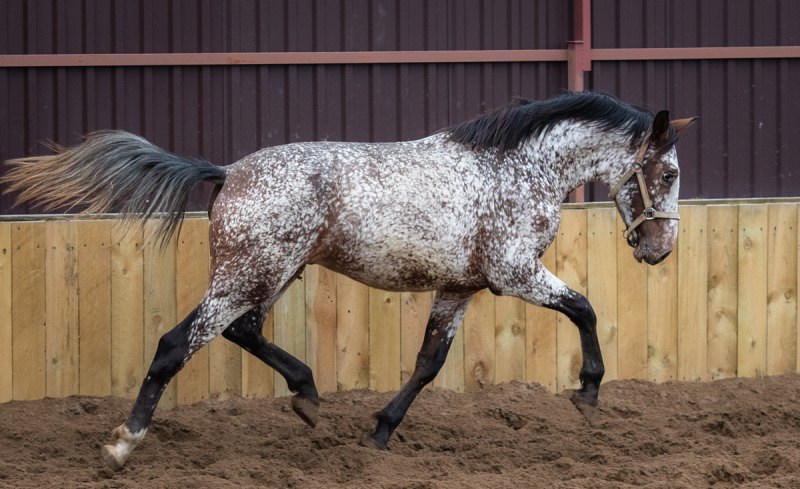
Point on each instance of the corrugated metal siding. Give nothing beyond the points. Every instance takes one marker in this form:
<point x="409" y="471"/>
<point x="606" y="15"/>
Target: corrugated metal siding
<point x="743" y="147"/>
<point x="694" y="23"/>
<point x="222" y="113"/>
<point x="747" y="141"/>
<point x="147" y="26"/>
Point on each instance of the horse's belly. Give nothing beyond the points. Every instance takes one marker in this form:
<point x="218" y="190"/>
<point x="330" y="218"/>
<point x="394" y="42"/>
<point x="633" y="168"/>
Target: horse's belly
<point x="400" y="268"/>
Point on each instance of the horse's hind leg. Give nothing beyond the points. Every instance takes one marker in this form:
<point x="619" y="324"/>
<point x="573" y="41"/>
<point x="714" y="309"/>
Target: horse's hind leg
<point x="246" y="332"/>
<point x="175" y="348"/>
<point x="446" y="314"/>
<point x="172" y="353"/>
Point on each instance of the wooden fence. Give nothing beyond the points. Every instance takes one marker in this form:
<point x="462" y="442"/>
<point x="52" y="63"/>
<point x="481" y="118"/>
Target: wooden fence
<point x="82" y="309"/>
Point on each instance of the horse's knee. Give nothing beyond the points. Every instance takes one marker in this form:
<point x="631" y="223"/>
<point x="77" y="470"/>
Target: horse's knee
<point x="578" y="309"/>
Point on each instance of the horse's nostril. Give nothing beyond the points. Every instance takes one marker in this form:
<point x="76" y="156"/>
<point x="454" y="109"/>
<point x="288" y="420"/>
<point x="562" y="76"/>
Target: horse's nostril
<point x="662" y="258"/>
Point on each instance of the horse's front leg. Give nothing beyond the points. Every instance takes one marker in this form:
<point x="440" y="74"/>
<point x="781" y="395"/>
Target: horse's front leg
<point x="446" y="315"/>
<point x="546" y="290"/>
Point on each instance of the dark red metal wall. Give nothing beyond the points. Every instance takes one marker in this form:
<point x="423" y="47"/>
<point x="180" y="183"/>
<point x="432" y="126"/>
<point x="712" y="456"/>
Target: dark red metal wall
<point x="156" y="26"/>
<point x="225" y="112"/>
<point x="748" y="138"/>
<point x="742" y="148"/>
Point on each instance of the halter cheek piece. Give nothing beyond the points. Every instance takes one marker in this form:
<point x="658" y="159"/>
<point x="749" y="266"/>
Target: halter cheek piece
<point x="649" y="213"/>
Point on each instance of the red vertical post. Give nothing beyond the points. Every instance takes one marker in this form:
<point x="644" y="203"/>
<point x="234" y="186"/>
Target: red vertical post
<point x="579" y="59"/>
<point x="579" y="50"/>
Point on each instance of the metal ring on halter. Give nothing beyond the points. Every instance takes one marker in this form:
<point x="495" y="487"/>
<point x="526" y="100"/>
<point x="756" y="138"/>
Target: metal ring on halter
<point x="629" y="238"/>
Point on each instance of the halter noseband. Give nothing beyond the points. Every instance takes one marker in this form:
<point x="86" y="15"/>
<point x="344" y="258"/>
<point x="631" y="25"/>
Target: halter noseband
<point x="649" y="213"/>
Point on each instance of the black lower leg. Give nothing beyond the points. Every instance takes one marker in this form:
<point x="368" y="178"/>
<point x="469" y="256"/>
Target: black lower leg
<point x="171" y="355"/>
<point x="580" y="312"/>
<point x="446" y="314"/>
<point x="246" y="332"/>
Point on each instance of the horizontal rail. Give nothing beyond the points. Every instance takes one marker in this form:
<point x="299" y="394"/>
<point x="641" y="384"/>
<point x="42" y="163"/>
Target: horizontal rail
<point x="384" y="57"/>
<point x="674" y="54"/>
<point x="285" y="58"/>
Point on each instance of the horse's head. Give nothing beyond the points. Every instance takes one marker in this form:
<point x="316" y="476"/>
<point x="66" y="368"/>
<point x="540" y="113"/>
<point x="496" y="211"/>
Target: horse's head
<point x="647" y="195"/>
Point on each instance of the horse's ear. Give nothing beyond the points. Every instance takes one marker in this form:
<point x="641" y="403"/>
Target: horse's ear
<point x="681" y="124"/>
<point x="660" y="132"/>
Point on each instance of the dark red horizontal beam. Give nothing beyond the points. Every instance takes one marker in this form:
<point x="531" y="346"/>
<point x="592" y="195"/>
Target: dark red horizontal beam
<point x="667" y="54"/>
<point x="377" y="57"/>
<point x="287" y="58"/>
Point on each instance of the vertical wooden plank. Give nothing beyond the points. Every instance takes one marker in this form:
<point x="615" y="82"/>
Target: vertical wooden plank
<point x="6" y="338"/>
<point x="321" y="325"/>
<point x="94" y="300"/>
<point x="631" y="313"/>
<point x="781" y="289"/>
<point x="61" y="289"/>
<point x="159" y="302"/>
<point x="352" y="334"/>
<point x="384" y="340"/>
<point x="127" y="312"/>
<point x="28" y="312"/>
<point x="662" y="321"/>
<point x="452" y="374"/>
<point x="723" y="251"/>
<point x="415" y="307"/>
<point x="224" y="369"/>
<point x="541" y="330"/>
<point x="571" y="267"/>
<point x="602" y="282"/>
<point x="257" y="377"/>
<point x="479" y="350"/>
<point x="692" y="293"/>
<point x="752" y="293"/>
<point x="289" y="328"/>
<point x="191" y="281"/>
<point x="509" y="340"/>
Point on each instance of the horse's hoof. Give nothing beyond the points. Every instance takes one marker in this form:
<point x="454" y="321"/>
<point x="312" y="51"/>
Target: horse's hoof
<point x="307" y="410"/>
<point x="585" y="404"/>
<point x="369" y="441"/>
<point x="110" y="457"/>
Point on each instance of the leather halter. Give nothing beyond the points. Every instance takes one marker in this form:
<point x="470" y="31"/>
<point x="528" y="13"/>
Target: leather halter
<point x="649" y="213"/>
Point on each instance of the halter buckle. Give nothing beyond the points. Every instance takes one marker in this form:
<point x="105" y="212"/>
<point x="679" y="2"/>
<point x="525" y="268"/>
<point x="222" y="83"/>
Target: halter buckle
<point x="649" y="214"/>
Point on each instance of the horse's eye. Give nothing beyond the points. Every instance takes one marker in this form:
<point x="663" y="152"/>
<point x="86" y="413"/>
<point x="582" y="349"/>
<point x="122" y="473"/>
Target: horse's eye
<point x="668" y="177"/>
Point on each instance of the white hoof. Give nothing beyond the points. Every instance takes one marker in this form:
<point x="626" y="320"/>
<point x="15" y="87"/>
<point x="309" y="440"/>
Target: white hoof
<point x="116" y="455"/>
<point x="111" y="458"/>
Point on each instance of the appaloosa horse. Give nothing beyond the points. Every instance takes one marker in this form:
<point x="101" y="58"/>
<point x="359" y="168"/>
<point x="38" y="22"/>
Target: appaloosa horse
<point x="467" y="208"/>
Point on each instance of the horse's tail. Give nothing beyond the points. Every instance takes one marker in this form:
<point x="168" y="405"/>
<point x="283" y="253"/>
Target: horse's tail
<point x="113" y="170"/>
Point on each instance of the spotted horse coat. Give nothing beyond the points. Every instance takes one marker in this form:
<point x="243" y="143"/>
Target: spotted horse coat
<point x="471" y="207"/>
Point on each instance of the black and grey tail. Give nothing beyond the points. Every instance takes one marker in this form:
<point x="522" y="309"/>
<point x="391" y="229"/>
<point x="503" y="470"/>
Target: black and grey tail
<point x="113" y="170"/>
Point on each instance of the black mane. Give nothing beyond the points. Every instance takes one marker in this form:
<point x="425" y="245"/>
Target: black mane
<point x="507" y="127"/>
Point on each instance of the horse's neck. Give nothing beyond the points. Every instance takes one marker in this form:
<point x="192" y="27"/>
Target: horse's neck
<point x="571" y="155"/>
